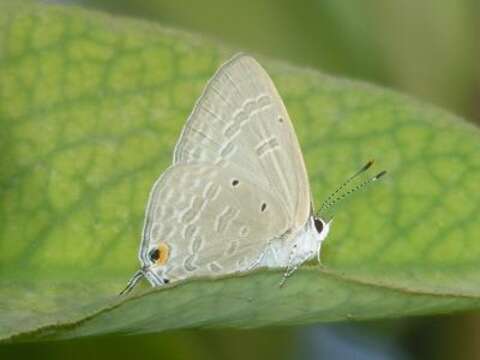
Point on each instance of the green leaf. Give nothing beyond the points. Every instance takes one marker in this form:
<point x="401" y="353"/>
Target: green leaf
<point x="90" y="109"/>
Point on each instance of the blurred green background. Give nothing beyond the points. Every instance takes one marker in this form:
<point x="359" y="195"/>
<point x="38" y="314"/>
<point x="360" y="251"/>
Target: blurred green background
<point x="427" y="49"/>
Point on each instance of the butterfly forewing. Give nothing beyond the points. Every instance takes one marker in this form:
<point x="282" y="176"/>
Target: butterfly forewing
<point x="211" y="219"/>
<point x="240" y="122"/>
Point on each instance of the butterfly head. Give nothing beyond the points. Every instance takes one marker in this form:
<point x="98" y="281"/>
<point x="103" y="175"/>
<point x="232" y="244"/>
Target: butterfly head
<point x="321" y="227"/>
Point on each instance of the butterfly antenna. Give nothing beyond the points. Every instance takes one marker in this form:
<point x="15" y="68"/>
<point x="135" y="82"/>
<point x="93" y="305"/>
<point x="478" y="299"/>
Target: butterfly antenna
<point x="133" y="281"/>
<point x="348" y="181"/>
<point x="356" y="188"/>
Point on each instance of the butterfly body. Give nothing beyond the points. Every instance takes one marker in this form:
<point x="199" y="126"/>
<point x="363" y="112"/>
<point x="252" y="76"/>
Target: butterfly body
<point x="295" y="249"/>
<point x="236" y="196"/>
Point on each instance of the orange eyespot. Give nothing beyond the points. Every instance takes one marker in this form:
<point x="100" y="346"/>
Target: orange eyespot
<point x="159" y="255"/>
<point x="164" y="253"/>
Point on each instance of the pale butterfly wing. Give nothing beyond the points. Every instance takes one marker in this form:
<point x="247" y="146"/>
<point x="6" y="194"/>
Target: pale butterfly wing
<point x="240" y="121"/>
<point x="213" y="221"/>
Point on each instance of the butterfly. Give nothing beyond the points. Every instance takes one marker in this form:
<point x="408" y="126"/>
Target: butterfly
<point x="237" y="195"/>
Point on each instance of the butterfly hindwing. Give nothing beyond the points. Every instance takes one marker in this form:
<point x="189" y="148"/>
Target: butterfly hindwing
<point x="211" y="220"/>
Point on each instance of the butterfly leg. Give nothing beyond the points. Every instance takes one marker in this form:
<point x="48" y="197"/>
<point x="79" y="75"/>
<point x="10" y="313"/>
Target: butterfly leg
<point x="318" y="253"/>
<point x="292" y="268"/>
<point x="287" y="274"/>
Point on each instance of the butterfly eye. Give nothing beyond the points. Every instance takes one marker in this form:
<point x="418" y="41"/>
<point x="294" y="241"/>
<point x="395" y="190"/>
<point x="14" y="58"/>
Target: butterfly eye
<point x="318" y="225"/>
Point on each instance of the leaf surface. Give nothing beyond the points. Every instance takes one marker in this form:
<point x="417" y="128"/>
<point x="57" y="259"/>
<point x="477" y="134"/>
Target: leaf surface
<point x="90" y="109"/>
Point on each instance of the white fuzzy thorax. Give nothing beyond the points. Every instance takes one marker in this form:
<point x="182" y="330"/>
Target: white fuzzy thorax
<point x="302" y="246"/>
